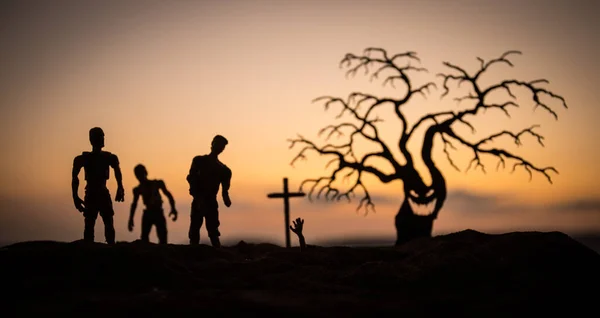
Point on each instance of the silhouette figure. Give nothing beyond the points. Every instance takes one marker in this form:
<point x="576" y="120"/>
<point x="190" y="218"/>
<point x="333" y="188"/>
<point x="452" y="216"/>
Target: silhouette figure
<point x="153" y="214"/>
<point x="205" y="176"/>
<point x="297" y="228"/>
<point x="421" y="200"/>
<point x="97" y="199"/>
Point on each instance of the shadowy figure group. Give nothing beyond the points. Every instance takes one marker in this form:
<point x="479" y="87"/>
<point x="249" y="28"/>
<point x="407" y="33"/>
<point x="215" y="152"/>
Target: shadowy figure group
<point x="207" y="173"/>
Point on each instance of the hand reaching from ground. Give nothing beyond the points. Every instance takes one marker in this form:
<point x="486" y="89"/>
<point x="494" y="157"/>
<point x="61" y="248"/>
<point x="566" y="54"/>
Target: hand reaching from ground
<point x="297" y="228"/>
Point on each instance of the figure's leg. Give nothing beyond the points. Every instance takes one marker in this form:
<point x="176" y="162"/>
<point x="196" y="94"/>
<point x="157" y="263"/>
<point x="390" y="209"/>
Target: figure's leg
<point x="107" y="213"/>
<point x="161" y="228"/>
<point x="146" y="226"/>
<point x="212" y="226"/>
<point x="196" y="220"/>
<point x="109" y="227"/>
<point x="90" y="216"/>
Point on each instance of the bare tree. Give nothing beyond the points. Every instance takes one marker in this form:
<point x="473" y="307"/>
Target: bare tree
<point x="360" y="108"/>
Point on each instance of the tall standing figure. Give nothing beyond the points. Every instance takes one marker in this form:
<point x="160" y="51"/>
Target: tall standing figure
<point x="205" y="176"/>
<point x="96" y="165"/>
<point x="149" y="190"/>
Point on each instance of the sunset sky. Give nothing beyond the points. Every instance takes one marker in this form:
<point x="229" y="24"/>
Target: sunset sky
<point x="162" y="78"/>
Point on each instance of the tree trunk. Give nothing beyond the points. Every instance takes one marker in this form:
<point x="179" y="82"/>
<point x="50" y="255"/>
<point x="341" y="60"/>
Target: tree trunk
<point x="410" y="226"/>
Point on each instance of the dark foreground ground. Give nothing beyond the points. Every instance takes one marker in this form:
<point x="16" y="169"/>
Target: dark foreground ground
<point x="469" y="273"/>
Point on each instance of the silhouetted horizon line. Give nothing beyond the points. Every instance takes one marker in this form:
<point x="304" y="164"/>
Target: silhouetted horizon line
<point x="587" y="238"/>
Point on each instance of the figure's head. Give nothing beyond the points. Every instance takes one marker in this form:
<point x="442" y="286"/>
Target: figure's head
<point x="140" y="172"/>
<point x="218" y="144"/>
<point x="97" y="137"/>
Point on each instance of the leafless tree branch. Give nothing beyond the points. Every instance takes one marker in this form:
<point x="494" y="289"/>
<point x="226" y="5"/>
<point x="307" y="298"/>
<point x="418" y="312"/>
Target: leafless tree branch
<point x="503" y="154"/>
<point x="479" y="94"/>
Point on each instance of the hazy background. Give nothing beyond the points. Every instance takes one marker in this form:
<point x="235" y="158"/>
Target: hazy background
<point x="162" y="78"/>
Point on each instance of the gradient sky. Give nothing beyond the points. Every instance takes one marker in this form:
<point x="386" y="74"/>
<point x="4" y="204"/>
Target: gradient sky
<point x="162" y="78"/>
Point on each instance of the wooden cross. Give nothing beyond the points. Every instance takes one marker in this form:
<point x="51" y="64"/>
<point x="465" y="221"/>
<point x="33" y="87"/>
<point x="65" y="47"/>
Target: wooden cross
<point x="286" y="195"/>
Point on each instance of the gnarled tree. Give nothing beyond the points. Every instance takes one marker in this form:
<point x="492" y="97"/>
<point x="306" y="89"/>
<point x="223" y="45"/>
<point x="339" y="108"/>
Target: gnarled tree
<point x="360" y="108"/>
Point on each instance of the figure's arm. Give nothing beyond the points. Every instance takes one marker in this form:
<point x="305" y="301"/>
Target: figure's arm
<point x="163" y="188"/>
<point x="114" y="163"/>
<point x="297" y="228"/>
<point x="226" y="180"/>
<point x="225" y="184"/>
<point x="136" y="197"/>
<point x="77" y="165"/>
<point x="191" y="177"/>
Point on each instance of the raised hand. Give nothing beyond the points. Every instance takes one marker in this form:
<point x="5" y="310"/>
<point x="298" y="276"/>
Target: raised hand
<point x="297" y="228"/>
<point x="173" y="215"/>
<point x="120" y="196"/>
<point x="79" y="204"/>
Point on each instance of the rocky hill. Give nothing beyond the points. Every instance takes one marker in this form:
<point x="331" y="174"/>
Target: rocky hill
<point x="468" y="272"/>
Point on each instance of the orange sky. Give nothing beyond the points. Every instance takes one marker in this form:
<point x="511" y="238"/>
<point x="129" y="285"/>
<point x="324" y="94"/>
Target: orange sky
<point x="162" y="79"/>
